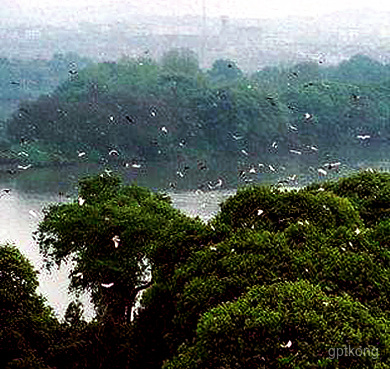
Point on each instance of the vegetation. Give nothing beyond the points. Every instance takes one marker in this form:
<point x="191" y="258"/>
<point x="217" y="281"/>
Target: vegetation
<point x="27" y="326"/>
<point x="276" y="280"/>
<point x="172" y="115"/>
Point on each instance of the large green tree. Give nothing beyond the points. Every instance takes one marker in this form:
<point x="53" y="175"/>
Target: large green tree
<point x="111" y="233"/>
<point x="27" y="325"/>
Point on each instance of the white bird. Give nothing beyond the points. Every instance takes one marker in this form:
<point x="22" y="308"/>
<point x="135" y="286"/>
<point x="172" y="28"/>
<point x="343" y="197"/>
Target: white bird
<point x="135" y="165"/>
<point x="296" y="152"/>
<point x="271" y="168"/>
<point x="164" y="129"/>
<point x="116" y="241"/>
<point x="107" y="285"/>
<point x="322" y="172"/>
<point x="259" y="212"/>
<point x="81" y="201"/>
<point x="287" y="345"/>
<point x="81" y="154"/>
<point x="33" y="213"/>
<point x="23" y="153"/>
<point x="113" y="152"/>
<point x="252" y="170"/>
<point x="24" y="167"/>
<point x="363" y="137"/>
<point x="274" y="145"/>
<point x="293" y="128"/>
<point x="217" y="185"/>
<point x="331" y="166"/>
<point x="153" y="113"/>
<point x="244" y="152"/>
<point x="308" y="116"/>
<point x="236" y="137"/>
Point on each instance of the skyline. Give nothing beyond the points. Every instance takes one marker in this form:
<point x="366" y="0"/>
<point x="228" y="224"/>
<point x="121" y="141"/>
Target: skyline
<point x="72" y="11"/>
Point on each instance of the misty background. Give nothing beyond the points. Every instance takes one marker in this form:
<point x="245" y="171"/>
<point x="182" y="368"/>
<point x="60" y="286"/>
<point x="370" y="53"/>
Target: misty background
<point x="253" y="35"/>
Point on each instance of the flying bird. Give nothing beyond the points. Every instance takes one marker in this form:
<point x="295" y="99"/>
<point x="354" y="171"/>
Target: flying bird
<point x="24" y="167"/>
<point x="113" y="153"/>
<point x="287" y="345"/>
<point x="33" y="213"/>
<point x="296" y="152"/>
<point x="107" y="285"/>
<point x="322" y="172"/>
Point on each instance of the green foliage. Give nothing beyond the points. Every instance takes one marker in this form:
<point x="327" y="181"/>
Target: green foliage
<point x="291" y="323"/>
<point x="368" y="191"/>
<point x="323" y="241"/>
<point x="224" y="71"/>
<point x="112" y="233"/>
<point x="263" y="207"/>
<point x="28" y="79"/>
<point x="124" y="106"/>
<point x="277" y="288"/>
<point x="180" y="61"/>
<point x="26" y="324"/>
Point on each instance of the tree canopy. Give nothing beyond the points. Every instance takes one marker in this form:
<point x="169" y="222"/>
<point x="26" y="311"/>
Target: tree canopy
<point x="171" y="113"/>
<point x="276" y="279"/>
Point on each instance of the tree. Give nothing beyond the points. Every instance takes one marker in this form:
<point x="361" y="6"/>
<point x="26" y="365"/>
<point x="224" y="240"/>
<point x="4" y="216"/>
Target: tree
<point x="285" y="325"/>
<point x="27" y="325"/>
<point x="110" y="234"/>
<point x="225" y="71"/>
<point x="180" y="61"/>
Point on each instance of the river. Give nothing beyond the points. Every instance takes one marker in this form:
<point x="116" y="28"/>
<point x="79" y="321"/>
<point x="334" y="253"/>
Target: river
<point x="33" y="189"/>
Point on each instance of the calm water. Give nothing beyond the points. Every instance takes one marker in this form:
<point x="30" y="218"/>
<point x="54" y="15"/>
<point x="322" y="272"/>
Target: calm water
<point x="31" y="190"/>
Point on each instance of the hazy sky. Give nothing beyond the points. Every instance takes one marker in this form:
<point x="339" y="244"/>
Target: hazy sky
<point x="233" y="8"/>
